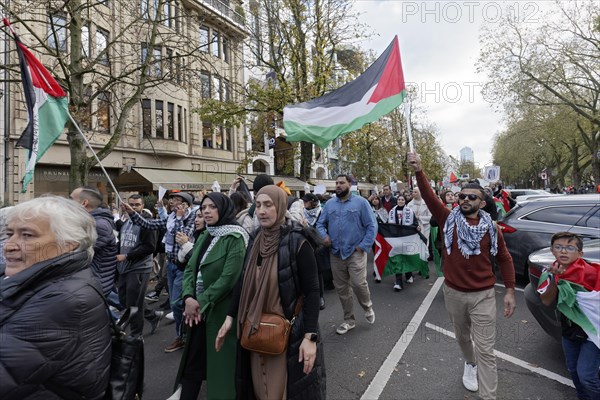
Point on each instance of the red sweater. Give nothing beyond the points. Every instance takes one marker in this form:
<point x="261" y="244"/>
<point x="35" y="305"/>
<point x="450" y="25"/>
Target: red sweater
<point x="475" y="273"/>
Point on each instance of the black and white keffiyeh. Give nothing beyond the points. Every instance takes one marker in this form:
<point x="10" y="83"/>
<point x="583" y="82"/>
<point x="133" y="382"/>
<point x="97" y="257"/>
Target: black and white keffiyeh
<point x="469" y="236"/>
<point x="219" y="231"/>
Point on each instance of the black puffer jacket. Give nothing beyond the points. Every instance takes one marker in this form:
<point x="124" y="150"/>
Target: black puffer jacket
<point x="104" y="264"/>
<point x="54" y="330"/>
<point x="299" y="385"/>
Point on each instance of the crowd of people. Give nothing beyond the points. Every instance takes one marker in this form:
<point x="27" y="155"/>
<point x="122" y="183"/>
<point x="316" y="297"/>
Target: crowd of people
<point x="227" y="262"/>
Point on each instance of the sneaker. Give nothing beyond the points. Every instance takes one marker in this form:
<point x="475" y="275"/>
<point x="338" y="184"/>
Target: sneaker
<point x="470" y="377"/>
<point x="377" y="280"/>
<point x="170" y="316"/>
<point x="397" y="287"/>
<point x="152" y="297"/>
<point x="410" y="280"/>
<point x="344" y="328"/>
<point x="158" y="315"/>
<point x="178" y="344"/>
<point x="370" y="316"/>
<point x="176" y="395"/>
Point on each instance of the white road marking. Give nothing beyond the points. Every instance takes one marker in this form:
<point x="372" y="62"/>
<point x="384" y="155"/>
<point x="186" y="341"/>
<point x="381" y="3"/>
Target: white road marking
<point x="387" y="368"/>
<point x="514" y="360"/>
<point x="516" y="288"/>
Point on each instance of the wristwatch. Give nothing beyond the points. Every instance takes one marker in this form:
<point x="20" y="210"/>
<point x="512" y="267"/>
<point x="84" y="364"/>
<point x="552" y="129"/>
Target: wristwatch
<point x="313" y="337"/>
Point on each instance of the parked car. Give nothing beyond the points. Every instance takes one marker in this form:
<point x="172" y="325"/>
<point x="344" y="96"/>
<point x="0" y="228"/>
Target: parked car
<point x="524" y="197"/>
<point x="529" y="226"/>
<point x="514" y="193"/>
<point x="548" y="316"/>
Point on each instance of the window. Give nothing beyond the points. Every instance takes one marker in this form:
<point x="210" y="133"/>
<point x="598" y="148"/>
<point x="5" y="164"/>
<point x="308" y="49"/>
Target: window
<point x="102" y="45"/>
<point x="103" y="114"/>
<point x="259" y="166"/>
<point x="57" y="32"/>
<point x="216" y="87"/>
<point x="205" y="85"/>
<point x="147" y="117"/>
<point x="206" y="135"/>
<point x="160" y="123"/>
<point x="170" y="120"/>
<point x="219" y="138"/>
<point x="564" y="215"/>
<point x="180" y="124"/>
<point x="148" y="9"/>
<point x="157" y="70"/>
<point x="226" y="50"/>
<point x="167" y="16"/>
<point x="85" y="118"/>
<point x="214" y="45"/>
<point x="227" y="139"/>
<point x="169" y="64"/>
<point x="178" y="77"/>
<point x="177" y="23"/>
<point x="203" y="39"/>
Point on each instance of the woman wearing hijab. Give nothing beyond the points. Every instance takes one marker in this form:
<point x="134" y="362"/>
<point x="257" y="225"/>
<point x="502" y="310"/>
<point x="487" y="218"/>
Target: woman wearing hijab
<point x="280" y="270"/>
<point x="208" y="281"/>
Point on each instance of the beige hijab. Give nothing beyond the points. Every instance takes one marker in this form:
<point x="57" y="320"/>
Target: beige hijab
<point x="266" y="245"/>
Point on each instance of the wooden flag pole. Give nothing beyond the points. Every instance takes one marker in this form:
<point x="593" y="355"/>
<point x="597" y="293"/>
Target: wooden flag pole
<point x="408" y="127"/>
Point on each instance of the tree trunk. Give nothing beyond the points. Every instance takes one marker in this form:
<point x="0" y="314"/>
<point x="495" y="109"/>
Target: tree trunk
<point x="306" y="156"/>
<point x="576" y="173"/>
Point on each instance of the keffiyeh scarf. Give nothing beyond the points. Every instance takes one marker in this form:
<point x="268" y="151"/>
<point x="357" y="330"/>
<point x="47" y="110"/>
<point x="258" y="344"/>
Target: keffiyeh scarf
<point x="222" y="230"/>
<point x="469" y="236"/>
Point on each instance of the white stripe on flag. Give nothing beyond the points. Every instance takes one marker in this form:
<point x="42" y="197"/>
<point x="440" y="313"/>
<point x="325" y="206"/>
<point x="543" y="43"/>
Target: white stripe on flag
<point x="408" y="245"/>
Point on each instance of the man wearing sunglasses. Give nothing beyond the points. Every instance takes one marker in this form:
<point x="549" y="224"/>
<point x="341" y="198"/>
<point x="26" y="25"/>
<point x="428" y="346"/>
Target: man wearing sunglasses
<point x="470" y="240"/>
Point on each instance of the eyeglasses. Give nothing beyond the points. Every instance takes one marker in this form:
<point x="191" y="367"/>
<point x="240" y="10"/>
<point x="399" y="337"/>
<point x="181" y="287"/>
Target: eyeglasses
<point x="471" y="196"/>
<point x="568" y="249"/>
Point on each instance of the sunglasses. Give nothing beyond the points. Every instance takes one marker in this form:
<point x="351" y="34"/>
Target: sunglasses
<point x="471" y="197"/>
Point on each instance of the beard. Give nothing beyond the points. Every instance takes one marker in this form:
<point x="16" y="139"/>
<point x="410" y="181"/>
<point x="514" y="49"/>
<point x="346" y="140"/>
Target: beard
<point x="343" y="193"/>
<point x="472" y="209"/>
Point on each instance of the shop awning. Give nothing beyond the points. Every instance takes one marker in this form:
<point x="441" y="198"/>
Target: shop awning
<point x="328" y="183"/>
<point x="149" y="179"/>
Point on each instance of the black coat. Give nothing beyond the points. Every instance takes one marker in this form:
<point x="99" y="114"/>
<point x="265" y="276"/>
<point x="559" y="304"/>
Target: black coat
<point x="54" y="330"/>
<point x="104" y="264"/>
<point x="299" y="385"/>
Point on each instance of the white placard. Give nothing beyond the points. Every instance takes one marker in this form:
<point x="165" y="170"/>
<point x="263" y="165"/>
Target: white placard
<point x="216" y="187"/>
<point x="492" y="173"/>
<point x="161" y="192"/>
<point x="319" y="189"/>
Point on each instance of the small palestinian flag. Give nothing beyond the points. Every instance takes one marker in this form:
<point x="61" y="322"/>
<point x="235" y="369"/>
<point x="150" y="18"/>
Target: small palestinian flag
<point x="375" y="93"/>
<point x="578" y="296"/>
<point x="399" y="249"/>
<point x="47" y="109"/>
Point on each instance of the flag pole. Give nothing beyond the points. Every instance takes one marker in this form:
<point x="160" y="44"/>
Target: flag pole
<point x="118" y="197"/>
<point x="408" y="127"/>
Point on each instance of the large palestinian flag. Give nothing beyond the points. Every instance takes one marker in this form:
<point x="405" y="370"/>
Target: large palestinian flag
<point x="47" y="109"/>
<point x="373" y="94"/>
<point x="399" y="249"/>
<point x="579" y="296"/>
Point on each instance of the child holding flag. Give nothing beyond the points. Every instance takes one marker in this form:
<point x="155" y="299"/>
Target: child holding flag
<point x="576" y="285"/>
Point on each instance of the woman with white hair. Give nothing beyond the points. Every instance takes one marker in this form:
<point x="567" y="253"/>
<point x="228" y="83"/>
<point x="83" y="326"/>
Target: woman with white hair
<point x="54" y="327"/>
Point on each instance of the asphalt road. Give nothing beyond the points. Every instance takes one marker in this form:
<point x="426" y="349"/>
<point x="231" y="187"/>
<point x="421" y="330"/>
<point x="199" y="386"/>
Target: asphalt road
<point x="426" y="362"/>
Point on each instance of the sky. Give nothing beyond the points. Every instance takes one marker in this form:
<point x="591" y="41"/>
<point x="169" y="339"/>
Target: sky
<point x="439" y="46"/>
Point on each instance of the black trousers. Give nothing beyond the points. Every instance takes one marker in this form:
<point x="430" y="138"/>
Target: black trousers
<point x="132" y="289"/>
<point x="194" y="371"/>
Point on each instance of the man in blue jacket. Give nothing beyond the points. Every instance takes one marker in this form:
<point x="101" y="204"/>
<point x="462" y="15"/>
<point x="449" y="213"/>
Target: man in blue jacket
<point x="347" y="225"/>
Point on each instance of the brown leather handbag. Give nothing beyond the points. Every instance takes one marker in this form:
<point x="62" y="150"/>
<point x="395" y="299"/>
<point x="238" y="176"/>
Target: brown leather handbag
<point x="272" y="335"/>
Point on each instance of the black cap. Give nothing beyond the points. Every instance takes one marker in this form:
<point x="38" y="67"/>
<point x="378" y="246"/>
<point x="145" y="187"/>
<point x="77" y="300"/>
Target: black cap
<point x="187" y="198"/>
<point x="310" y="197"/>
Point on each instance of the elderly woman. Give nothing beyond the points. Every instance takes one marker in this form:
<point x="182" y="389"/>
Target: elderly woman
<point x="54" y="326"/>
<point x="280" y="271"/>
<point x="208" y="281"/>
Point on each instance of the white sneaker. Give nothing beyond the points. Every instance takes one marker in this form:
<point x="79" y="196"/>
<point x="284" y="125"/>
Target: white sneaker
<point x="397" y="287"/>
<point x="410" y="280"/>
<point x="470" y="377"/>
<point x="370" y="316"/>
<point x="344" y="328"/>
<point x="176" y="395"/>
<point x="170" y="316"/>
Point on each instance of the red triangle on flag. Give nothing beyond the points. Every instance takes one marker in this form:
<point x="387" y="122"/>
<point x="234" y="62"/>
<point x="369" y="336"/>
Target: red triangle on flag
<point x="453" y="178"/>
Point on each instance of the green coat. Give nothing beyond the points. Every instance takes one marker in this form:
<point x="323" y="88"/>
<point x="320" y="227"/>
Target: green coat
<point x="220" y="272"/>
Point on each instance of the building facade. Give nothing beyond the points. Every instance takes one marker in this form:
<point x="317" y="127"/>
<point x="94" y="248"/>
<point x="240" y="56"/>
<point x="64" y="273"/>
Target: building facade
<point x="158" y="59"/>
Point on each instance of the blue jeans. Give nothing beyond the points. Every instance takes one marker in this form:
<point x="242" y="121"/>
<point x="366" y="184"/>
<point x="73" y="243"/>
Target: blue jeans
<point x="583" y="361"/>
<point x="175" y="283"/>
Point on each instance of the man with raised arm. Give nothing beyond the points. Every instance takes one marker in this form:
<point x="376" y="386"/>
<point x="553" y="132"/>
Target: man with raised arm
<point x="470" y="240"/>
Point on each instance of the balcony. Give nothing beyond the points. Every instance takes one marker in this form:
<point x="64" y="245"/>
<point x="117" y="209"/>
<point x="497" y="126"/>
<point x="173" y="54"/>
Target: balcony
<point x="223" y="9"/>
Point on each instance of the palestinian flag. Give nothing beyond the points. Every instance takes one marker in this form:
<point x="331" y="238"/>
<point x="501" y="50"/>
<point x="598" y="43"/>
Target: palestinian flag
<point x="47" y="109"/>
<point x="373" y="94"/>
<point x="399" y="249"/>
<point x="579" y="296"/>
<point x="453" y="178"/>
